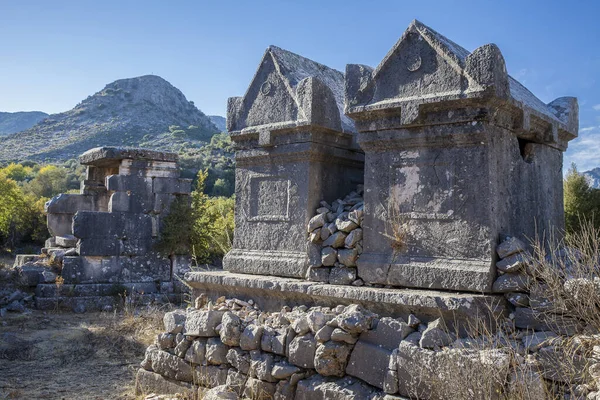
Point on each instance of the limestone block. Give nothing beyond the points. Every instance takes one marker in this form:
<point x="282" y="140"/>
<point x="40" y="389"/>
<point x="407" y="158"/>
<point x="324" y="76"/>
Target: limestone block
<point x="202" y="322"/>
<point x="342" y="275"/>
<point x="318" y="387"/>
<point x="285" y="390"/>
<point x="369" y="363"/>
<point x="196" y="354"/>
<point x="66" y="241"/>
<point x="476" y="374"/>
<point x="251" y="337"/>
<point x="257" y="389"/>
<point x="60" y="224"/>
<point x="261" y="365"/>
<point x="162" y="203"/>
<point x="302" y="351"/>
<point x="99" y="247"/>
<point x="69" y="204"/>
<point x="236" y="381"/>
<point x="318" y="274"/>
<point x="182" y="347"/>
<point x="172" y="186"/>
<point x="216" y="351"/>
<point x="210" y="376"/>
<point x="102" y="156"/>
<point x="147" y="382"/>
<point x="284" y="370"/>
<point x="388" y="333"/>
<point x="221" y="392"/>
<point x="510" y="246"/>
<point x="231" y="329"/>
<point x="512" y="283"/>
<point x="170" y="366"/>
<point x="119" y="202"/>
<point x="331" y="358"/>
<point x="239" y="359"/>
<point x="526" y="318"/>
<point x="348" y="257"/>
<point x="149" y="168"/>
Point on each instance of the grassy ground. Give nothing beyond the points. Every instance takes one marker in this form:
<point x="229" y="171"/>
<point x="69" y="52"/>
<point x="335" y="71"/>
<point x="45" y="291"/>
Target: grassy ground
<point x="46" y="355"/>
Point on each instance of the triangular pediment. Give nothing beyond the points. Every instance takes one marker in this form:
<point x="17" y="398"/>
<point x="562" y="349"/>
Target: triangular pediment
<point x="421" y="64"/>
<point x="269" y="98"/>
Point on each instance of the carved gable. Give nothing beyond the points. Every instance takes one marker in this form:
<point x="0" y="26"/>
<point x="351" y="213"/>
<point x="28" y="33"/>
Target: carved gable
<point x="415" y="69"/>
<point x="268" y="99"/>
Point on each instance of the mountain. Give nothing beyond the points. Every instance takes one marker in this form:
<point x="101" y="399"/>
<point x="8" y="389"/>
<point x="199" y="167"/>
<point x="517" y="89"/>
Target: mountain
<point x="145" y="111"/>
<point x="219" y="122"/>
<point x="593" y="177"/>
<point x="19" y="121"/>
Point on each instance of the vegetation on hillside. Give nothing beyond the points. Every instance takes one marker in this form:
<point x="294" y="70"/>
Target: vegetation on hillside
<point x="582" y="202"/>
<point x="25" y="187"/>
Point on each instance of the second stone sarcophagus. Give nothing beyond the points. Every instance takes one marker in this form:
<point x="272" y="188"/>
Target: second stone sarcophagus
<point x="457" y="153"/>
<point x="295" y="147"/>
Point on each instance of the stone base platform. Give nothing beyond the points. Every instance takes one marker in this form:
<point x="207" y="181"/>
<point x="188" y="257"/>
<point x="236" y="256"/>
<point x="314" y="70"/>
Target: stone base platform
<point x="102" y="296"/>
<point x="463" y="311"/>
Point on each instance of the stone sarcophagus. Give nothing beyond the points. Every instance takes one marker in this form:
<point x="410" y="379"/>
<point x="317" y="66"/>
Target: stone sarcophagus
<point x="457" y="153"/>
<point x="112" y="226"/>
<point x="294" y="147"/>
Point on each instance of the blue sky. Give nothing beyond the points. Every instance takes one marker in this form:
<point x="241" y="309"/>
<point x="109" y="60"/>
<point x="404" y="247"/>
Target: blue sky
<point x="56" y="53"/>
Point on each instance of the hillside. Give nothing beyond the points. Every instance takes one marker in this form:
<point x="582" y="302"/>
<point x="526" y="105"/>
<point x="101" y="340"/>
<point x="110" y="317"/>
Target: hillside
<point x="593" y="177"/>
<point x="145" y="110"/>
<point x="219" y="122"/>
<point x="19" y="121"/>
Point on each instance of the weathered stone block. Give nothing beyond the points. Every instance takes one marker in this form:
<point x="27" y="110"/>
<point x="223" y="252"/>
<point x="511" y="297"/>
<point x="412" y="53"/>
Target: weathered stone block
<point x="257" y="389"/>
<point x="331" y="358"/>
<point x="216" y="351"/>
<point x="172" y="186"/>
<point x="202" y="323"/>
<point x="320" y="388"/>
<point x="210" y="376"/>
<point x="147" y="382"/>
<point x="388" y="333"/>
<point x="66" y="241"/>
<point x="369" y="363"/>
<point x="476" y="374"/>
<point x="302" y="351"/>
<point x="174" y="321"/>
<point x="295" y="148"/>
<point x="427" y="150"/>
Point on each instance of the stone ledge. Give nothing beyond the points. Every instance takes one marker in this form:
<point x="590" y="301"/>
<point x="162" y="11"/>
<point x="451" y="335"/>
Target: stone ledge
<point x="103" y="155"/>
<point x="272" y="293"/>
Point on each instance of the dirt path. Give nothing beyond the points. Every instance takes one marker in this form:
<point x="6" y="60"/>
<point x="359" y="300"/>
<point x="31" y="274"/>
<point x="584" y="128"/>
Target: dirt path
<point x="73" y="356"/>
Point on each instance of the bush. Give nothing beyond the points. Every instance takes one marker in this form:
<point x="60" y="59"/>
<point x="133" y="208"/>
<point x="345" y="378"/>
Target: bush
<point x="204" y="227"/>
<point x="21" y="215"/>
<point x="581" y="201"/>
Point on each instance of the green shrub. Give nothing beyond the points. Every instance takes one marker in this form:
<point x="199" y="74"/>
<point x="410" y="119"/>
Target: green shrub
<point x="204" y="227"/>
<point x="582" y="202"/>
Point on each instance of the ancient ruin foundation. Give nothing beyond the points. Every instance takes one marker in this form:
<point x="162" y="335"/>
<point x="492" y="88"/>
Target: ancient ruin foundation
<point x="460" y="163"/>
<point x="103" y="239"/>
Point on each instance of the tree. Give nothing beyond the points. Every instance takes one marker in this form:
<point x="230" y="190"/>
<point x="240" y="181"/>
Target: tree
<point x="17" y="172"/>
<point x="204" y="227"/>
<point x="20" y="214"/>
<point x="581" y="202"/>
<point x="49" y="181"/>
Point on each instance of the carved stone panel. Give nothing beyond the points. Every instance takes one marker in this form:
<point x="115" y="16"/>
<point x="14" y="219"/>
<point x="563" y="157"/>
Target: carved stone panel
<point x="269" y="199"/>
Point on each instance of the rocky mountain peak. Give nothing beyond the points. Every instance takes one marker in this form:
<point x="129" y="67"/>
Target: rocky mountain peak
<point x="126" y="112"/>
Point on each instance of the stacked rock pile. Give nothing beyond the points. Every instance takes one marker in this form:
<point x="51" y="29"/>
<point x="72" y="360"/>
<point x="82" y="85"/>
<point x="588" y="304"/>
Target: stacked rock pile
<point x="344" y="352"/>
<point x="521" y="279"/>
<point x="335" y="237"/>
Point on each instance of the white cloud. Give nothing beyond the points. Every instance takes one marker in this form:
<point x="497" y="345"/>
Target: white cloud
<point x="585" y="150"/>
<point x="596" y="107"/>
